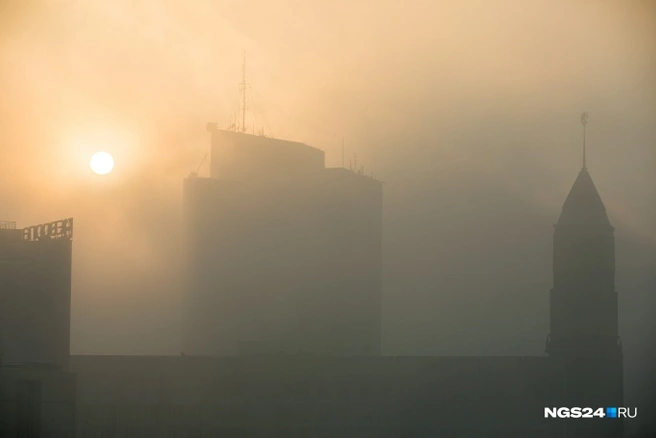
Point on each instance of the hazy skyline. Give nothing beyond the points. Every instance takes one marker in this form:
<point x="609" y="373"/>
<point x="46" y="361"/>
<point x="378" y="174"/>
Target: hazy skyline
<point x="469" y="111"/>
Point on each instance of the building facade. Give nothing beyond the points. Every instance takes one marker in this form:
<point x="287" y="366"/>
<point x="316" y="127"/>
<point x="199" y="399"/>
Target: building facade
<point x="283" y="254"/>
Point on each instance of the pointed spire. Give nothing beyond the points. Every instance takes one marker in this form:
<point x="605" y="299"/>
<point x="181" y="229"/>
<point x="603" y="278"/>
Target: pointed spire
<point x="584" y="121"/>
<point x="583" y="205"/>
<point x="242" y="87"/>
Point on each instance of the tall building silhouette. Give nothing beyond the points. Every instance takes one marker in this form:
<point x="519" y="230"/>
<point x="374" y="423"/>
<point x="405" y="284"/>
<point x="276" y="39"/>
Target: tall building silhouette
<point x="35" y="293"/>
<point x="37" y="391"/>
<point x="284" y="255"/>
<point x="584" y="306"/>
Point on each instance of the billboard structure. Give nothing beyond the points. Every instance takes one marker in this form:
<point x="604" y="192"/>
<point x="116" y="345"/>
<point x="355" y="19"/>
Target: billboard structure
<point x="62" y="229"/>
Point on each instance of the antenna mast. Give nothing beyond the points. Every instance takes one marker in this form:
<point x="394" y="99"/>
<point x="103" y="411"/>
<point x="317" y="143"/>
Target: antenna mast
<point x="584" y="121"/>
<point x="201" y="163"/>
<point x="243" y="94"/>
<point x="195" y="174"/>
<point x="342" y="152"/>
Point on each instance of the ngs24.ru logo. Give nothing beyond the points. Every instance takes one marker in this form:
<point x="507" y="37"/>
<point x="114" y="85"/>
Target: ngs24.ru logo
<point x="613" y="412"/>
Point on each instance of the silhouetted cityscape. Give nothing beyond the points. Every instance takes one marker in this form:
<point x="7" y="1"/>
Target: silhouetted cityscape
<point x="282" y="324"/>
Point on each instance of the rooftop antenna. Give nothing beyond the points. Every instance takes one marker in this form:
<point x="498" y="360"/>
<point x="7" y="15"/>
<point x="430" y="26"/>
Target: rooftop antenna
<point x="199" y="166"/>
<point x="242" y="88"/>
<point x="342" y="152"/>
<point x="584" y="121"/>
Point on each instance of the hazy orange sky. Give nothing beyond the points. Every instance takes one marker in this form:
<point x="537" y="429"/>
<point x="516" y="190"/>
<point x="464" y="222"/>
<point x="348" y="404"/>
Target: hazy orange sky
<point x="469" y="111"/>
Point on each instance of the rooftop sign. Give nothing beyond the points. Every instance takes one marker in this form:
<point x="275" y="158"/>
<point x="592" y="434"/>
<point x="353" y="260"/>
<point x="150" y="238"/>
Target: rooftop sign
<point x="62" y="229"/>
<point x="7" y="225"/>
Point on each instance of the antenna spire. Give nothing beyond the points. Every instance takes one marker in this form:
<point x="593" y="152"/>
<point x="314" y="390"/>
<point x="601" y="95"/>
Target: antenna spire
<point x="243" y="94"/>
<point x="584" y="121"/>
<point x="342" y="152"/>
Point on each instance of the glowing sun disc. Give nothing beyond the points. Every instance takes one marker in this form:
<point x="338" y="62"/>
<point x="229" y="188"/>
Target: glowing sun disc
<point x="101" y="163"/>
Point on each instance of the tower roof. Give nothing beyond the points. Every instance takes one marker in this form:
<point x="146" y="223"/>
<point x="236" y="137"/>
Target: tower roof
<point x="583" y="205"/>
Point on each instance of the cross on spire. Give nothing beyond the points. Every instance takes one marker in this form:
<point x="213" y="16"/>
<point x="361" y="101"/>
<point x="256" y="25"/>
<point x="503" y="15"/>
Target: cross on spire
<point x="584" y="121"/>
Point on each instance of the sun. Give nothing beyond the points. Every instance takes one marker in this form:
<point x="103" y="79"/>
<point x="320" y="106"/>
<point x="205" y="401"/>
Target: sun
<point x="101" y="163"/>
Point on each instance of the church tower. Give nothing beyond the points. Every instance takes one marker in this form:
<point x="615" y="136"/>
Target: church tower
<point x="584" y="333"/>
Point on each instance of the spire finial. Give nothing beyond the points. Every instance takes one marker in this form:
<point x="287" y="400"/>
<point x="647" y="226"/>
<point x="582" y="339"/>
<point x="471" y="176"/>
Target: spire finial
<point x="242" y="87"/>
<point x="584" y="121"/>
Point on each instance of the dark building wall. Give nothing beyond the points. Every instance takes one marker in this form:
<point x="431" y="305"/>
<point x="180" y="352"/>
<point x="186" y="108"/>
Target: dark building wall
<point x="584" y="300"/>
<point x="35" y="297"/>
<point x="37" y="403"/>
<point x="282" y="260"/>
<point x="305" y="395"/>
<point x="349" y="295"/>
